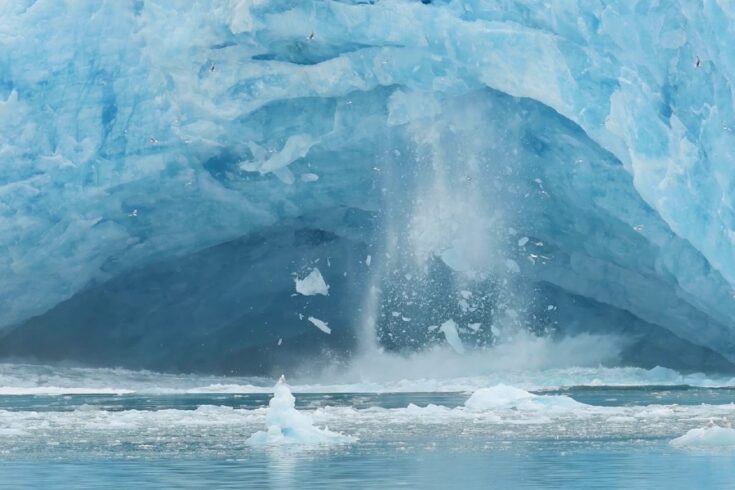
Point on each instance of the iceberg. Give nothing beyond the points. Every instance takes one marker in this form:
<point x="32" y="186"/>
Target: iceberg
<point x="449" y="329"/>
<point x="712" y="437"/>
<point x="157" y="192"/>
<point x="286" y="425"/>
<point x="505" y="397"/>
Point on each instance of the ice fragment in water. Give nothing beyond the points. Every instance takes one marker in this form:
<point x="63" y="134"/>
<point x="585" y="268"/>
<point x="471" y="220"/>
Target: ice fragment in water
<point x="712" y="437"/>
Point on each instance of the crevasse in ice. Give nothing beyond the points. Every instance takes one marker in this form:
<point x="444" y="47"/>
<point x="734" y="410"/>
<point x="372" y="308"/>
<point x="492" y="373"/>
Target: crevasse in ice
<point x="168" y="168"/>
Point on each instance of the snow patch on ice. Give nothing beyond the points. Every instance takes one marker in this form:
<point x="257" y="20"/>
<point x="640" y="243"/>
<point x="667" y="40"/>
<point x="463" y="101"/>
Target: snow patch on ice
<point x="504" y="396"/>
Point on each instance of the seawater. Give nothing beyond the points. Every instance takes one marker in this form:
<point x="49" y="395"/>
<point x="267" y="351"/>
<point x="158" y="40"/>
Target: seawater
<point x="620" y="438"/>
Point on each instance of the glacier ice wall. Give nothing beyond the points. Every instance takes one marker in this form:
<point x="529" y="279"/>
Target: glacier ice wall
<point x="564" y="149"/>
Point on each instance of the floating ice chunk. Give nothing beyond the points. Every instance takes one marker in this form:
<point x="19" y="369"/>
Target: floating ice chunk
<point x="449" y="329"/>
<point x="465" y="294"/>
<point x="504" y="396"/>
<point x="496" y="397"/>
<point x="474" y="326"/>
<point x="321" y="325"/>
<point x="712" y="438"/>
<point x="368" y="260"/>
<point x="312" y="284"/>
<point x="286" y="425"/>
<point x="522" y="241"/>
<point x="309" y="177"/>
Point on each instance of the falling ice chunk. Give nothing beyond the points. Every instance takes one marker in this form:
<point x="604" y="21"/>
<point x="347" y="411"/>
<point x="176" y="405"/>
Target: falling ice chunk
<point x="464" y="305"/>
<point x="309" y="177"/>
<point x="280" y="341"/>
<point x="512" y="266"/>
<point x="368" y="260"/>
<point x="312" y="284"/>
<point x="321" y="325"/>
<point x="449" y="329"/>
<point x="474" y="326"/>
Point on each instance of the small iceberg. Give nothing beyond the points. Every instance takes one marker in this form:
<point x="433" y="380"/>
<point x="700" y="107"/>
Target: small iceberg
<point x="712" y="437"/>
<point x="504" y="396"/>
<point x="286" y="425"/>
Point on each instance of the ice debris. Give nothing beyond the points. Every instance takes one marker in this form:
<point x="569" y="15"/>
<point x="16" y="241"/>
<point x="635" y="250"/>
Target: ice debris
<point x="312" y="284"/>
<point x="449" y="329"/>
<point x="320" y="324"/>
<point x="712" y="437"/>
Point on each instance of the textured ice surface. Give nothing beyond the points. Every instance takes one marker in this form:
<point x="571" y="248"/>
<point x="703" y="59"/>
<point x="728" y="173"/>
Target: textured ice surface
<point x="601" y="132"/>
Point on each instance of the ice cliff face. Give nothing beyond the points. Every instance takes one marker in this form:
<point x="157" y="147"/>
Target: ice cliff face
<point x="167" y="167"/>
